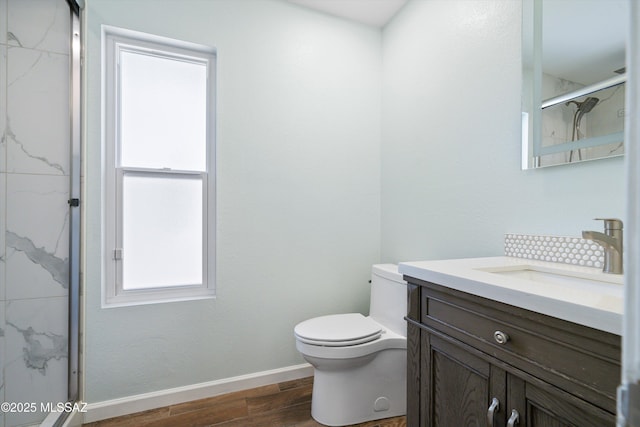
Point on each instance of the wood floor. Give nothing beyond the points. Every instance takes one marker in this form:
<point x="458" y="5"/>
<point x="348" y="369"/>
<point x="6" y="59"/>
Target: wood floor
<point x="286" y="404"/>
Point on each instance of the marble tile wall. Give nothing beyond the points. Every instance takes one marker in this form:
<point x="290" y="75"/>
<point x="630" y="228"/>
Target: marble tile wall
<point x="34" y="187"/>
<point x="3" y="118"/>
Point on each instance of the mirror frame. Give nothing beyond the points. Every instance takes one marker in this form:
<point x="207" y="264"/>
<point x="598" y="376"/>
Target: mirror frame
<point x="533" y="104"/>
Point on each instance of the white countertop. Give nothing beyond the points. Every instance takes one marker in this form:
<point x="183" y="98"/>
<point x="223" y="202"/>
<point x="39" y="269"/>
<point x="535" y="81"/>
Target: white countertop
<point x="597" y="305"/>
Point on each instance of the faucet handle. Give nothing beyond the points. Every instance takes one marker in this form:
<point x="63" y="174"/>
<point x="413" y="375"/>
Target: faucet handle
<point x="611" y="223"/>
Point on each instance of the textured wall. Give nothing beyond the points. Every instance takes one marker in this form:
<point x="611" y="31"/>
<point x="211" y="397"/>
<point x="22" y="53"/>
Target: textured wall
<point x="300" y="167"/>
<point x="298" y="139"/>
<point x="451" y="179"/>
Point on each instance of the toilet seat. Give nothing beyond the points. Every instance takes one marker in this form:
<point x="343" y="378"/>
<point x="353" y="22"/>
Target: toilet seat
<point x="338" y="330"/>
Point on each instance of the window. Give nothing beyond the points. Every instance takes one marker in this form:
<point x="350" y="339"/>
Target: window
<point x="159" y="168"/>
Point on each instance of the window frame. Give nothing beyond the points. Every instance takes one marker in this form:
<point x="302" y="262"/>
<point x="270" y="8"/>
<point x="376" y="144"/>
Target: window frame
<point x="114" y="41"/>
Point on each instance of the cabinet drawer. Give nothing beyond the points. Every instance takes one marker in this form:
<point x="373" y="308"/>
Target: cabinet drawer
<point x="560" y="352"/>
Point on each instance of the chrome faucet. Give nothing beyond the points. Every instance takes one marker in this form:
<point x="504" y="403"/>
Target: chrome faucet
<point x="611" y="241"/>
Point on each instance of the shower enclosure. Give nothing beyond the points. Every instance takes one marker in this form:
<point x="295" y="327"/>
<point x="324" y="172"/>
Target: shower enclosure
<point x="39" y="208"/>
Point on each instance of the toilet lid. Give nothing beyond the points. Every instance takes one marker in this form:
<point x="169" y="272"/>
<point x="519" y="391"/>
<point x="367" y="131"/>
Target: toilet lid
<point x="338" y="330"/>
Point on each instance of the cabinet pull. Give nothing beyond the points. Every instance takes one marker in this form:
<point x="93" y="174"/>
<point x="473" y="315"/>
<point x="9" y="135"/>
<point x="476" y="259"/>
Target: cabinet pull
<point x="495" y="406"/>
<point x="513" y="419"/>
<point x="500" y="337"/>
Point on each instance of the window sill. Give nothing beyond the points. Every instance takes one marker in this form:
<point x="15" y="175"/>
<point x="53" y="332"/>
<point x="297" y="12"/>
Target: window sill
<point x="156" y="296"/>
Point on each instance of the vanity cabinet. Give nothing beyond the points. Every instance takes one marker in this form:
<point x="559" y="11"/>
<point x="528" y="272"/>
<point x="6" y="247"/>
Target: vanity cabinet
<point x="477" y="362"/>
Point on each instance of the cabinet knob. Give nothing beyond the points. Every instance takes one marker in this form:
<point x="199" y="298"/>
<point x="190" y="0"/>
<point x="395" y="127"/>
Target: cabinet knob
<point x="495" y="406"/>
<point x="500" y="337"/>
<point x="513" y="419"/>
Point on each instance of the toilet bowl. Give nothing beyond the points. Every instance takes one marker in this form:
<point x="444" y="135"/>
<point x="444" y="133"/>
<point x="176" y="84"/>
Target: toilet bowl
<point x="359" y="361"/>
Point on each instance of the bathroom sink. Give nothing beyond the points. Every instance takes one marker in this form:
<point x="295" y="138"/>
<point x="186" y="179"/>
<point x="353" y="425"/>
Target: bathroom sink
<point x="582" y="295"/>
<point x="556" y="276"/>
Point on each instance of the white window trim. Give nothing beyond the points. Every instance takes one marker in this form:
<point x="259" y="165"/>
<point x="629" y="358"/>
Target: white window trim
<point x="113" y="295"/>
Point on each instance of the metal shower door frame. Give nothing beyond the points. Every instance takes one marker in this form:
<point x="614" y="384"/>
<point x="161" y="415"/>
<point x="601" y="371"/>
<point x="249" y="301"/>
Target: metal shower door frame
<point x="74" y="202"/>
<point x="75" y="120"/>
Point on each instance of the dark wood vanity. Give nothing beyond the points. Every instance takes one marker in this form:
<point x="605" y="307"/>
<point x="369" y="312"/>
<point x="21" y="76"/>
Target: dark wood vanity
<point x="477" y="362"/>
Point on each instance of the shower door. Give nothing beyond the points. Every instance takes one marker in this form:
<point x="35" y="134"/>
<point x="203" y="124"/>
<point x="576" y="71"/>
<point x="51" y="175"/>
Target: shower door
<point x="36" y="170"/>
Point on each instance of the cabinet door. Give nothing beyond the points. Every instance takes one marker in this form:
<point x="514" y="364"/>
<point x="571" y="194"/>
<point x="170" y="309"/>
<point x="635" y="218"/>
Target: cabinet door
<point x="551" y="407"/>
<point x="458" y="387"/>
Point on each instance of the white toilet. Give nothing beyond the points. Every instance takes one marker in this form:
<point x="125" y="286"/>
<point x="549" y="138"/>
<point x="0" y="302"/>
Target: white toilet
<point x="360" y="362"/>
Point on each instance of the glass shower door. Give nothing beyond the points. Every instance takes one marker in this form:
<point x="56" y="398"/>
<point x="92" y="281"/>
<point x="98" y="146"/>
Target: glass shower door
<point x="35" y="176"/>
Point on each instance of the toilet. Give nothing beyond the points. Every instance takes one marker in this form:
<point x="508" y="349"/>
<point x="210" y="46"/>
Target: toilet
<point x="360" y="361"/>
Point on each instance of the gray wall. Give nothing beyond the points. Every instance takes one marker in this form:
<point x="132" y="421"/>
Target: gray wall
<point x="298" y="146"/>
<point x="451" y="179"/>
<point x="318" y="117"/>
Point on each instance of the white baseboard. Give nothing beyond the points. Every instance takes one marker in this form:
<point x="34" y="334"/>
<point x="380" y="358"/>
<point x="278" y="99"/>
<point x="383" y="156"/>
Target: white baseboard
<point x="157" y="399"/>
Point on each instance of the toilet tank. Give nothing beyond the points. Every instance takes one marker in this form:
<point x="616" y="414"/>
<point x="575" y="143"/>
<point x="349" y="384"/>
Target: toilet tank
<point x="388" y="298"/>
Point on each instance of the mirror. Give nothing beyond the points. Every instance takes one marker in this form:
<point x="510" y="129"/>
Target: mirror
<point x="573" y="69"/>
